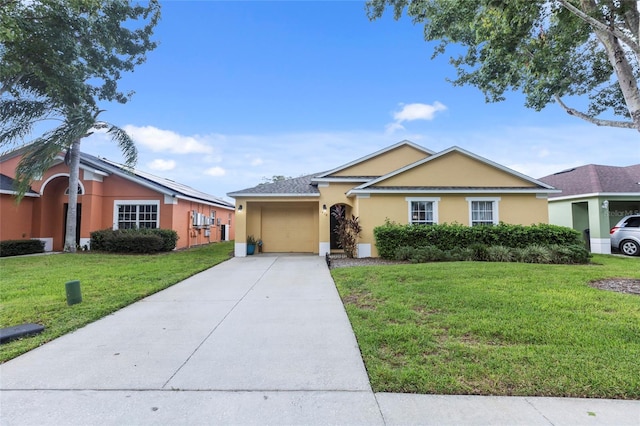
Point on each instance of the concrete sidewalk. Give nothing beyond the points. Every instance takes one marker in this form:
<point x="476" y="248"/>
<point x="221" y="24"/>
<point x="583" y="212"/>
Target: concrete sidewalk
<point x="256" y="340"/>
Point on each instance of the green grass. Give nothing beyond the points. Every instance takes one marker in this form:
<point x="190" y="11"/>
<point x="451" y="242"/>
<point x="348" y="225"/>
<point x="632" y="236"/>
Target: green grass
<point x="496" y="328"/>
<point x="32" y="289"/>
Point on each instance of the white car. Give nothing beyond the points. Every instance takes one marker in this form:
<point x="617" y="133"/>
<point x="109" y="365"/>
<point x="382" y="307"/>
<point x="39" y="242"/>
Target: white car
<point x="625" y="236"/>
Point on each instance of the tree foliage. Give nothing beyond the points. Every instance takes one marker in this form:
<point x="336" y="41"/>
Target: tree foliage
<point x="58" y="61"/>
<point x="548" y="49"/>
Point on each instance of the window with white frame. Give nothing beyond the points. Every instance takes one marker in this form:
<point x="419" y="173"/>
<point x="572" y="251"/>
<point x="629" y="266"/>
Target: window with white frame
<point x="136" y="214"/>
<point x="423" y="211"/>
<point x="483" y="211"/>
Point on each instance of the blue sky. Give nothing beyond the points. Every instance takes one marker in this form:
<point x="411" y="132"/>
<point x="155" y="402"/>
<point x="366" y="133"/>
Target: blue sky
<point x="241" y="91"/>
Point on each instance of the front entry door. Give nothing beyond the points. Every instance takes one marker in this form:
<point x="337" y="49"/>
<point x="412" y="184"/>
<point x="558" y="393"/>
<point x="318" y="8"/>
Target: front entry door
<point x="78" y="217"/>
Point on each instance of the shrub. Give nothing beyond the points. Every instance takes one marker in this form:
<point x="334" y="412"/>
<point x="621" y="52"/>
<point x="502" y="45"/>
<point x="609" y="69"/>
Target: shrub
<point x="137" y="243"/>
<point x="428" y="254"/>
<point x="573" y="254"/>
<point x="499" y="254"/>
<point x="461" y="254"/>
<point x="390" y="236"/>
<point x="536" y="253"/>
<point x="134" y="240"/>
<point x="403" y="253"/>
<point x="479" y="252"/>
<point x="348" y="231"/>
<point x="20" y="247"/>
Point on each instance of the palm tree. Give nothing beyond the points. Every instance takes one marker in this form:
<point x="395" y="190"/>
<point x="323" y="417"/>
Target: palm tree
<point x="78" y="123"/>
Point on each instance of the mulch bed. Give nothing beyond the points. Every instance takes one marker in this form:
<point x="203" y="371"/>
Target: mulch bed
<point x="621" y="285"/>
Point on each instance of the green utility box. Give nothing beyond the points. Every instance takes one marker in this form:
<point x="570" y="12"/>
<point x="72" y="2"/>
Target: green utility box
<point x="73" y="292"/>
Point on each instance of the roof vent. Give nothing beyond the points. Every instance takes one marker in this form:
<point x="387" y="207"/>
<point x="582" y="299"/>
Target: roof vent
<point x="565" y="171"/>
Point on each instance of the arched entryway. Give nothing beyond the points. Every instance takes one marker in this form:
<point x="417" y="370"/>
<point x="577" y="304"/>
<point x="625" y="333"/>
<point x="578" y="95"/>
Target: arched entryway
<point x="51" y="222"/>
<point x="333" y="222"/>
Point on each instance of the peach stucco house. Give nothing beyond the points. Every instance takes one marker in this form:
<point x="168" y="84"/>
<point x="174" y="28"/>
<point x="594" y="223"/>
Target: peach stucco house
<point x="109" y="196"/>
<point x="404" y="183"/>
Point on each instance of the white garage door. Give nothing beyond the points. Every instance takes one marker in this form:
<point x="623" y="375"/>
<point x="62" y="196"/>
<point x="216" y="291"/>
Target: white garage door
<point x="289" y="229"/>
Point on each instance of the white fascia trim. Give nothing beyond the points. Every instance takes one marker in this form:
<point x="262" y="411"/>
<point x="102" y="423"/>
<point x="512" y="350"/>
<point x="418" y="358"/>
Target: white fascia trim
<point x="206" y="203"/>
<point x="93" y="170"/>
<point x="339" y="179"/>
<point x="452" y="191"/>
<point x="2" y="191"/>
<point x="253" y="195"/>
<point x="596" y="194"/>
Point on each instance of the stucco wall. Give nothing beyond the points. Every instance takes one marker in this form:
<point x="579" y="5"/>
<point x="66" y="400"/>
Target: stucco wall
<point x="513" y="209"/>
<point x="385" y="163"/>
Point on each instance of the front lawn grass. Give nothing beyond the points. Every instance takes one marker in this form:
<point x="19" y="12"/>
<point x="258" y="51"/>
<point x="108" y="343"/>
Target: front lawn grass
<point x="32" y="288"/>
<point x="485" y="328"/>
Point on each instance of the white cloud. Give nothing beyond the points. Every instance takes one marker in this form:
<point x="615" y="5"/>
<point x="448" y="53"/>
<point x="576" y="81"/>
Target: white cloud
<point x="392" y="128"/>
<point x="159" y="140"/>
<point x="215" y="171"/>
<point x="162" y="165"/>
<point x="242" y="160"/>
<point x="417" y="111"/>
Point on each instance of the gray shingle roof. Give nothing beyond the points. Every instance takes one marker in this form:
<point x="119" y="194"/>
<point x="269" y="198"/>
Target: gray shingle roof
<point x="6" y="186"/>
<point x="160" y="184"/>
<point x="295" y="186"/>
<point x="594" y="178"/>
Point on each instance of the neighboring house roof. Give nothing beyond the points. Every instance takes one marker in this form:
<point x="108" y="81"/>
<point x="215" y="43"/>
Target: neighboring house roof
<point x="307" y="185"/>
<point x="106" y="167"/>
<point x="6" y="187"/>
<point x="156" y="183"/>
<point x="594" y="179"/>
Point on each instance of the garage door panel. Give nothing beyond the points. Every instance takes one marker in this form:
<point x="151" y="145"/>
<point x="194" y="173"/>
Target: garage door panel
<point x="288" y="229"/>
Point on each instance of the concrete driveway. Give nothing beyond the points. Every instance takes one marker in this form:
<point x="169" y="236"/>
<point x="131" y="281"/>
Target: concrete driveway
<point x="255" y="340"/>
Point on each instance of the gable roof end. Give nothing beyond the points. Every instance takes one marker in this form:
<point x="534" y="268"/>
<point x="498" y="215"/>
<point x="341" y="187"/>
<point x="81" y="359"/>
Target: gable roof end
<point x="367" y="187"/>
<point x="370" y="156"/>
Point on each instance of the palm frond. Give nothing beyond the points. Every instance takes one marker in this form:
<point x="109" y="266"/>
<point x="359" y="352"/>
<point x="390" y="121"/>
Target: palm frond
<point x="125" y="142"/>
<point x="38" y="157"/>
<point x="18" y="116"/>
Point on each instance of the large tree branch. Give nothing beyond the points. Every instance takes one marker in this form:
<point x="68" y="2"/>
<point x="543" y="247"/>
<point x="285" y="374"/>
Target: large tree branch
<point x="594" y="120"/>
<point x="633" y="44"/>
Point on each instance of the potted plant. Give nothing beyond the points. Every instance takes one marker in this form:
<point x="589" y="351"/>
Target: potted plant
<point x="259" y="245"/>
<point x="251" y="244"/>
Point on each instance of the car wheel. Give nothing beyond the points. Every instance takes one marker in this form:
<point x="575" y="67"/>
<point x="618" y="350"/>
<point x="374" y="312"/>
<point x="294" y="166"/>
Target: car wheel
<point x="630" y="248"/>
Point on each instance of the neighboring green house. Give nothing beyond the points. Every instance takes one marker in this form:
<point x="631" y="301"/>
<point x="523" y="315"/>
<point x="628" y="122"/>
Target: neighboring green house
<point x="593" y="199"/>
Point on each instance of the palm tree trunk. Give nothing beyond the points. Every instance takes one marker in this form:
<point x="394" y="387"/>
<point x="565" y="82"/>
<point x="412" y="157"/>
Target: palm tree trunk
<point x="74" y="177"/>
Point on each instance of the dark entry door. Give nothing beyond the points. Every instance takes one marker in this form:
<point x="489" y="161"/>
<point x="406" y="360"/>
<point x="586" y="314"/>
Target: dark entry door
<point x="223" y="232"/>
<point x="78" y="217"/>
<point x="333" y="223"/>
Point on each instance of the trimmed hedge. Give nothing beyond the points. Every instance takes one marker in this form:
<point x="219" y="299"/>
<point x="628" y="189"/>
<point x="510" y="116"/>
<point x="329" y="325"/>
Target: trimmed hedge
<point x="134" y="240"/>
<point x="20" y="247"/>
<point x="389" y="237"/>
